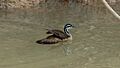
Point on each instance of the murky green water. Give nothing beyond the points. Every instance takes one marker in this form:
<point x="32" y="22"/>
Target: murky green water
<point x="96" y="39"/>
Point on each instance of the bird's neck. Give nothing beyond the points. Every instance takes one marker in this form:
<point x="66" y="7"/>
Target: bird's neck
<point x="66" y="30"/>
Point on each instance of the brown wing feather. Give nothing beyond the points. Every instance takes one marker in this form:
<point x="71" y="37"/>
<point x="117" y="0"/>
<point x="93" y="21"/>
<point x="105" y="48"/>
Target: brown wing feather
<point x="58" y="33"/>
<point x="49" y="40"/>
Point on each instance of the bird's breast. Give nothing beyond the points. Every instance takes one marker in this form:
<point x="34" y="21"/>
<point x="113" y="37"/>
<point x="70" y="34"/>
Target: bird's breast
<point x="70" y="38"/>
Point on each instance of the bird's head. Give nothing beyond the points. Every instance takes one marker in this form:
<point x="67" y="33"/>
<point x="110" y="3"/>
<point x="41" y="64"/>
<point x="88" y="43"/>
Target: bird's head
<point x="68" y="26"/>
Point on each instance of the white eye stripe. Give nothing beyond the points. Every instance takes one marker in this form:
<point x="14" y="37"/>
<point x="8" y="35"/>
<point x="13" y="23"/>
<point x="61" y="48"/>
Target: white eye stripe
<point x="69" y="26"/>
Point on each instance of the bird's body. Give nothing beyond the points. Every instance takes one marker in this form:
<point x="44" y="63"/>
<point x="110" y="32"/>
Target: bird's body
<point x="57" y="36"/>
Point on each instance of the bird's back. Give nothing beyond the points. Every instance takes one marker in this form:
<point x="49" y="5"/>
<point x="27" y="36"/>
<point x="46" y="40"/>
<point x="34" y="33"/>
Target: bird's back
<point x="58" y="33"/>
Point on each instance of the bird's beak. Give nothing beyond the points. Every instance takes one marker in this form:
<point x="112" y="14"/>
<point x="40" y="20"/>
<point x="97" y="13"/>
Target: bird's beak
<point x="73" y="26"/>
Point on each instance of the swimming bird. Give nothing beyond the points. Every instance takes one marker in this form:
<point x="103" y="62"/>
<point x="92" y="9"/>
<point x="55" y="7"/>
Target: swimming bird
<point x="57" y="35"/>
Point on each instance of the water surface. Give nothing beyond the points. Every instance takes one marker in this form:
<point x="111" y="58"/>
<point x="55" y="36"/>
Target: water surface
<point x="96" y="39"/>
